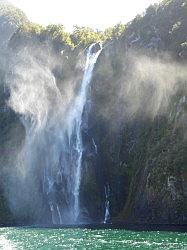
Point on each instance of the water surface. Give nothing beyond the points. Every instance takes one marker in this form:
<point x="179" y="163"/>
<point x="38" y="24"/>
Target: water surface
<point x="85" y="239"/>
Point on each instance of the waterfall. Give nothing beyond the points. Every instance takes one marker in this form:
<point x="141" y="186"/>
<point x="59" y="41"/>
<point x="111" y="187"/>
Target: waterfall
<point x="107" y="204"/>
<point x="75" y="122"/>
<point x="95" y="146"/>
<point x="69" y="172"/>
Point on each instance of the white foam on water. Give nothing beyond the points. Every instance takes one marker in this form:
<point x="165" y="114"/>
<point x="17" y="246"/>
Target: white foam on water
<point x="6" y="244"/>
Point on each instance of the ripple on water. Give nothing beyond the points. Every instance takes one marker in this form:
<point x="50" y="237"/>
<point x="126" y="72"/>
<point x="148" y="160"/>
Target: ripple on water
<point x="49" y="239"/>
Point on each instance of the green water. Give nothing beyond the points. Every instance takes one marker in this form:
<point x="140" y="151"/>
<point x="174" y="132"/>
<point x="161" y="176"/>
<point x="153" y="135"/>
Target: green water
<point x="27" y="238"/>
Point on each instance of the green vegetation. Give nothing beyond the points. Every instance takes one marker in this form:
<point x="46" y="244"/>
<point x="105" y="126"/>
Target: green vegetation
<point x="58" y="33"/>
<point x="162" y="26"/>
<point x="166" y="21"/>
<point x="83" y="36"/>
<point x="31" y="29"/>
<point x="12" y="15"/>
<point x="113" y="33"/>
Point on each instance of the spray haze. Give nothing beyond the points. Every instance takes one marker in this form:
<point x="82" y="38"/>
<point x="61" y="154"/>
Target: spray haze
<point x="44" y="176"/>
<point x="141" y="85"/>
<point x="41" y="106"/>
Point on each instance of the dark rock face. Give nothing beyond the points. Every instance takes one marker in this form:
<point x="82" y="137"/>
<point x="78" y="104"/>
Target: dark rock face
<point x="96" y="48"/>
<point x="141" y="157"/>
<point x="141" y="150"/>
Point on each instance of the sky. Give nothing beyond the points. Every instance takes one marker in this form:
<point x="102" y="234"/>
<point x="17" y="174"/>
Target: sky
<point x="98" y="14"/>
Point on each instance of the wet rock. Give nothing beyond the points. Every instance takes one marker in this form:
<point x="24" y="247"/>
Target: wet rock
<point x="96" y="48"/>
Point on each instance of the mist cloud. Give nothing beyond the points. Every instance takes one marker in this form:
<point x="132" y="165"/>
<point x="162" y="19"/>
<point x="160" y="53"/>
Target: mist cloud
<point x="143" y="86"/>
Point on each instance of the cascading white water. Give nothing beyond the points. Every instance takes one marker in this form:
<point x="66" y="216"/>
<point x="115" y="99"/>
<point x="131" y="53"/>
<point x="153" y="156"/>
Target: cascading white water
<point x="77" y="121"/>
<point x="94" y="144"/>
<point x="68" y="176"/>
<point x="107" y="204"/>
<point x="74" y="126"/>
